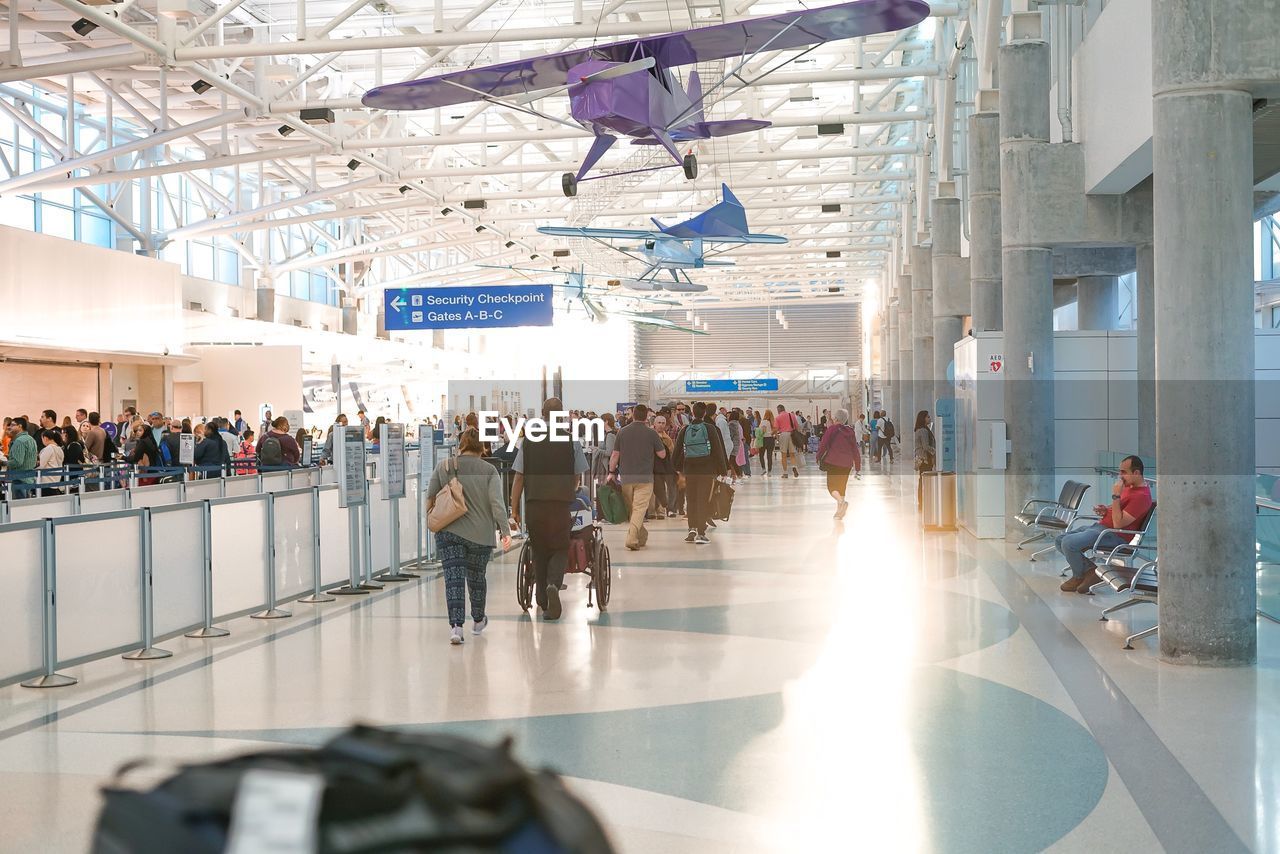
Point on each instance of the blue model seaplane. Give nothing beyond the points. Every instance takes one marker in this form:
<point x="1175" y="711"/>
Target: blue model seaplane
<point x="677" y="248"/>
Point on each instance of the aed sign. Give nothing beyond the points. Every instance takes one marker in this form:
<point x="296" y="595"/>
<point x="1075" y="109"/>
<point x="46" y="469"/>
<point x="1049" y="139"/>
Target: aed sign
<point x="996" y="362"/>
<point x="482" y="307"/>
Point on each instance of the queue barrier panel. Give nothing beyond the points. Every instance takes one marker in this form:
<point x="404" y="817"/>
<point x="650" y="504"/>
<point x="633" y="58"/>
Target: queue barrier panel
<point x="335" y="539"/>
<point x="45" y="507"/>
<point x="177" y="568"/>
<point x="98" y="567"/>
<point x="239" y="534"/>
<point x="409" y="523"/>
<point x="103" y="502"/>
<point x="21" y="607"/>
<point x="241" y="485"/>
<point x="156" y="495"/>
<point x="276" y="481"/>
<point x="328" y="475"/>
<point x="380" y="525"/>
<point x="199" y="490"/>
<point x="304" y="478"/>
<point x="295" y="543"/>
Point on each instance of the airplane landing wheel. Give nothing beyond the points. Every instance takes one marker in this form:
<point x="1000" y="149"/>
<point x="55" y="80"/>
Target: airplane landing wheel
<point x="569" y="184"/>
<point x="691" y="166"/>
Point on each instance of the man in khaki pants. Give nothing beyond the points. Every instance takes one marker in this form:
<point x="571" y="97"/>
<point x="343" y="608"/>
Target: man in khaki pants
<point x="632" y="459"/>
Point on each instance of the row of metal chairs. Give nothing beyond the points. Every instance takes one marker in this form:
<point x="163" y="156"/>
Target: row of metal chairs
<point x="1131" y="567"/>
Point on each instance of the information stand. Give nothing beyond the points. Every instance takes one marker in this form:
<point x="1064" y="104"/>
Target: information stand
<point x="392" y="469"/>
<point x="186" y="449"/>
<point x="308" y="452"/>
<point x="353" y="493"/>
<point x="426" y="466"/>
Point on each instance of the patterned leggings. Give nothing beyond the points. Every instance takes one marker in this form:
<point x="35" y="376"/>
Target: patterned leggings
<point x="464" y="566"/>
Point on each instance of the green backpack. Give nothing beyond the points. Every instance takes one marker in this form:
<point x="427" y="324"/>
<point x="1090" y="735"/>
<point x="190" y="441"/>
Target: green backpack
<point x="612" y="507"/>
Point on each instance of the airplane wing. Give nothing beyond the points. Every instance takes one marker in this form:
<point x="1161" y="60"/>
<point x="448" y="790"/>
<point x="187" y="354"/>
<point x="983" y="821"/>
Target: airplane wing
<point x="801" y="28"/>
<point x="747" y="238"/>
<point x="602" y="233"/>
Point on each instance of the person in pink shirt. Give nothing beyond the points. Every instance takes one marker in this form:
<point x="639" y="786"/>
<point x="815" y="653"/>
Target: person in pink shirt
<point x="783" y="423"/>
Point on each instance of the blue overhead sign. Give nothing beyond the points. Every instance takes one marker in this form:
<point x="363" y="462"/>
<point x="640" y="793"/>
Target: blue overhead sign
<point x="730" y="386"/>
<point x="482" y="307"/>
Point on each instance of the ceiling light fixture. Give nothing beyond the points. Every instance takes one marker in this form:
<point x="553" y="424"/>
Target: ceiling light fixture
<point x="83" y="27"/>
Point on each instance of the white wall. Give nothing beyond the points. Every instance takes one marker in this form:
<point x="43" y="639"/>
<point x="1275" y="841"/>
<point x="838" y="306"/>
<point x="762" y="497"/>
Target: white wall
<point x="245" y="378"/>
<point x="57" y="292"/>
<point x="1112" y="108"/>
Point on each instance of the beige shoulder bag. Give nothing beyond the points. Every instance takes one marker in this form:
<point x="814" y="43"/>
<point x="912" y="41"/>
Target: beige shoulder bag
<point x="448" y="506"/>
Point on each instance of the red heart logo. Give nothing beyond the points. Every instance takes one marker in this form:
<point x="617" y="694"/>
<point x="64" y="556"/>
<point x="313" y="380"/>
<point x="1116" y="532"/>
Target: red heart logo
<point x="995" y="366"/>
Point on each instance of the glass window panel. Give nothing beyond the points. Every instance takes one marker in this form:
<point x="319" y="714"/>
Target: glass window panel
<point x="18" y="212"/>
<point x="319" y="288"/>
<point x="96" y="230"/>
<point x="298" y="282"/>
<point x="201" y="260"/>
<point x="175" y="253"/>
<point x="57" y="221"/>
<point x="228" y="266"/>
<point x="26" y="161"/>
<point x="66" y="198"/>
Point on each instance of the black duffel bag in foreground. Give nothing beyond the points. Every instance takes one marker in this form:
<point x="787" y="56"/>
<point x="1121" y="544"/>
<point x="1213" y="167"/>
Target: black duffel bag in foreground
<point x="368" y="790"/>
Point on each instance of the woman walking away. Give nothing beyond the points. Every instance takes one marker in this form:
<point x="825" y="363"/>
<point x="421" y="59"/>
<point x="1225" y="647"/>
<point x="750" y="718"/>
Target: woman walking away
<point x="925" y="451"/>
<point x="837" y="454"/>
<point x="768" y="440"/>
<point x="745" y="462"/>
<point x="737" y="445"/>
<point x="787" y="429"/>
<point x="466" y="543"/>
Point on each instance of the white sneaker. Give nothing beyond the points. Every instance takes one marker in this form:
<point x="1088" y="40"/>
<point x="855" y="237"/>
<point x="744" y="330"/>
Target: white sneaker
<point x="480" y="626"/>
<point x="701" y="540"/>
<point x="840" y="511"/>
<point x="455" y="635"/>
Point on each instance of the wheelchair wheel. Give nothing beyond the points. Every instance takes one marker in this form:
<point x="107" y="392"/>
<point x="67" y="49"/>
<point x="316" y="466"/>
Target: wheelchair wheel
<point x="602" y="577"/>
<point x="524" y="578"/>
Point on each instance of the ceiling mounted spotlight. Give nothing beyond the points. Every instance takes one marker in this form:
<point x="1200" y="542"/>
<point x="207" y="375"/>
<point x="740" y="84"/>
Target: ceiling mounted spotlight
<point x="833" y="254"/>
<point x="353" y="165"/>
<point x="201" y="86"/>
<point x="83" y="27"/>
<point x="475" y="204"/>
<point x="446" y="211"/>
<point x="284" y="130"/>
<point x="479" y="228"/>
<point x="555" y="266"/>
<point x="830" y="130"/>
<point x="560" y="253"/>
<point x="404" y="189"/>
<point x="509" y="244"/>
<point x="831" y="209"/>
<point x="533" y="257"/>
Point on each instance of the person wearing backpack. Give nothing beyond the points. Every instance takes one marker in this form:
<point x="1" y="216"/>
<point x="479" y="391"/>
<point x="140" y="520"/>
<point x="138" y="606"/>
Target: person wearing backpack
<point x="885" y="434"/>
<point x="700" y="455"/>
<point x="790" y="440"/>
<point x="276" y="448"/>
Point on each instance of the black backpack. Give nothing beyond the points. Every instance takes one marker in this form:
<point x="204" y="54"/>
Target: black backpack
<point x="271" y="454"/>
<point x="383" y="791"/>
<point x="888" y="428"/>
<point x="109" y="449"/>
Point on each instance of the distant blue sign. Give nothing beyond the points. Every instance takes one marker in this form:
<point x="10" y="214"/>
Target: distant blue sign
<point x="483" y="307"/>
<point x="730" y="386"/>
<point x="945" y="431"/>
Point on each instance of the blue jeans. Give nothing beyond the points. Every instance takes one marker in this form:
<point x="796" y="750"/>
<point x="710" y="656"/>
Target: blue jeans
<point x="1073" y="546"/>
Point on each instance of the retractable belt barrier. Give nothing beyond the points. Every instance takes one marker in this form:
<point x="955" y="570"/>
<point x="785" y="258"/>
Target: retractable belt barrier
<point x="118" y="571"/>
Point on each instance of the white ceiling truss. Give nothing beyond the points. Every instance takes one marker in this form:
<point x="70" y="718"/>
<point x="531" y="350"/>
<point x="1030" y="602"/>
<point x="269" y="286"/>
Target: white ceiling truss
<point x="185" y="88"/>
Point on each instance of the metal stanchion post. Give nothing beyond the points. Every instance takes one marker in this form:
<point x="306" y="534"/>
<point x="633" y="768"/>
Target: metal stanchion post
<point x="208" y="630"/>
<point x="272" y="612"/>
<point x="352" y="587"/>
<point x="148" y="652"/>
<point x="317" y="594"/>
<point x="366" y="539"/>
<point x="49" y="637"/>
<point x="395" y="573"/>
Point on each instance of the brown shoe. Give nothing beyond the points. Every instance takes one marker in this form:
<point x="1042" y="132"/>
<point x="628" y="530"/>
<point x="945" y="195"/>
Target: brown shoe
<point x="1071" y="584"/>
<point x="1087" y="580"/>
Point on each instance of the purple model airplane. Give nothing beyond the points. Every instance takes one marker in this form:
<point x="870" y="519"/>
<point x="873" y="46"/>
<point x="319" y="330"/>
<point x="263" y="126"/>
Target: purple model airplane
<point x="628" y="89"/>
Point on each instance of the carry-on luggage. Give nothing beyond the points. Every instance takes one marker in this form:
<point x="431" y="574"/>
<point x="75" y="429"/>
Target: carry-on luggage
<point x="813" y="444"/>
<point x="613" y="508"/>
<point x="721" y="501"/>
<point x="368" y="790"/>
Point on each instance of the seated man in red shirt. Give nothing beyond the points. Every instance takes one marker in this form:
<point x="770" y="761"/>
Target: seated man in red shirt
<point x="1130" y="503"/>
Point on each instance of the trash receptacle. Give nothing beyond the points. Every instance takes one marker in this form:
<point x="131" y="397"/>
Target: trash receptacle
<point x="938" y="501"/>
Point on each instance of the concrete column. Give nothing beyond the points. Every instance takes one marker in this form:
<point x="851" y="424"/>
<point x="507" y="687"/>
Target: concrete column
<point x="921" y="329"/>
<point x="906" y="352"/>
<point x="895" y="375"/>
<point x="984" y="222"/>
<point x="1146" y="293"/>
<point x="950" y="291"/>
<point x="1028" y="278"/>
<point x="266" y="302"/>
<point x="1203" y="193"/>
<point x="1097" y="302"/>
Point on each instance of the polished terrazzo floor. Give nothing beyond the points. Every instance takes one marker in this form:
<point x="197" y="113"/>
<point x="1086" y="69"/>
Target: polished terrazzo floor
<point x="799" y="684"/>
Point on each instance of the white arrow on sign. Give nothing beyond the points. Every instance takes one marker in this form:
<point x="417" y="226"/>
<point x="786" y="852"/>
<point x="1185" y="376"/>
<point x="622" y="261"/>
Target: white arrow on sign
<point x="398" y="303"/>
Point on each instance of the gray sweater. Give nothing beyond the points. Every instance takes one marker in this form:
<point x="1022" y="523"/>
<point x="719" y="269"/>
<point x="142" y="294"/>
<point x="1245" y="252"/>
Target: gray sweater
<point x="482" y="490"/>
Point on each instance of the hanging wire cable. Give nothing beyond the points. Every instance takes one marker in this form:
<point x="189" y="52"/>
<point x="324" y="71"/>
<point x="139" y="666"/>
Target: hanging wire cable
<point x="500" y="28"/>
